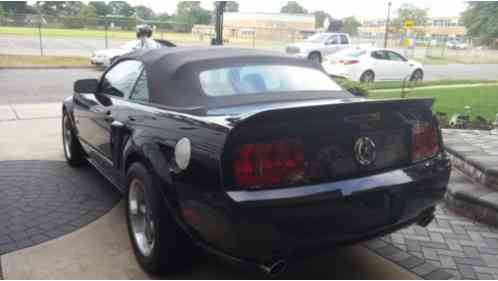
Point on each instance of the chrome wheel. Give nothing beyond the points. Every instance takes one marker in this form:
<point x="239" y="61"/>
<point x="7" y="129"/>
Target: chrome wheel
<point x="141" y="222"/>
<point x="67" y="136"/>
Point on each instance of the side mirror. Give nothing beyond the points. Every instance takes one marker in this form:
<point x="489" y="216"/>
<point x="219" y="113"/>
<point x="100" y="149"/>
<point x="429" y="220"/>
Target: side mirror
<point x="86" y="86"/>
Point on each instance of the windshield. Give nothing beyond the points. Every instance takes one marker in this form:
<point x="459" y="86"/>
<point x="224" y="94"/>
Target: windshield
<point x="267" y="79"/>
<point x="317" y="38"/>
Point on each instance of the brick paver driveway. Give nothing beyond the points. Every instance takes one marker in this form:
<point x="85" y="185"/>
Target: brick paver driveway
<point x="42" y="200"/>
<point x="451" y="243"/>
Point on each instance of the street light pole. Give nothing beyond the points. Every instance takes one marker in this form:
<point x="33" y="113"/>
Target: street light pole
<point x="386" y="34"/>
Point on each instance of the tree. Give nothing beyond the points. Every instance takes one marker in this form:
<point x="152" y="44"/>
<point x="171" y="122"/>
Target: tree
<point x="2" y="12"/>
<point x="232" y="6"/>
<point x="335" y="25"/>
<point x="190" y="13"/>
<point x="410" y="12"/>
<point x="49" y="7"/>
<point x="481" y="20"/>
<point x="320" y="17"/>
<point x="292" y="7"/>
<point x="72" y="8"/>
<point x="121" y="8"/>
<point x="143" y="12"/>
<point x="88" y="11"/>
<point x="14" y="7"/>
<point x="350" y="25"/>
<point x="101" y="8"/>
<point x="163" y="17"/>
<point x="59" y="8"/>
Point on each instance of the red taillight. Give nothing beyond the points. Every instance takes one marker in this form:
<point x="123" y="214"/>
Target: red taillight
<point x="349" y="62"/>
<point x="269" y="164"/>
<point x="425" y="141"/>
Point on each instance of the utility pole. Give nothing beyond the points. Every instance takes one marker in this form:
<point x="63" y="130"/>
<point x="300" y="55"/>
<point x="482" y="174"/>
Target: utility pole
<point x="386" y="34"/>
<point x="220" y="9"/>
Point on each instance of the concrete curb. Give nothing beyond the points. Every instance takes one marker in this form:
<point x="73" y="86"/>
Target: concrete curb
<point x="47" y="67"/>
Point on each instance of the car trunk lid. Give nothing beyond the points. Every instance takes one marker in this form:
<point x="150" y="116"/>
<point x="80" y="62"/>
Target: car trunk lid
<point x="299" y="145"/>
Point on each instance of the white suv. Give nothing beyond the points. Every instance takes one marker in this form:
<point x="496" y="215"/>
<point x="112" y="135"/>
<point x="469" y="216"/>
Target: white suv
<point x="319" y="45"/>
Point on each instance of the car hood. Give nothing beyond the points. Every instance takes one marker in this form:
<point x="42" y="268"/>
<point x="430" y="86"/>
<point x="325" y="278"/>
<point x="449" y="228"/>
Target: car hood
<point x="111" y="52"/>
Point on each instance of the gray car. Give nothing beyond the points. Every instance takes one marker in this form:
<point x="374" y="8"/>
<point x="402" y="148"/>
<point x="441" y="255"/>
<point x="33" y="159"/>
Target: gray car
<point x="319" y="46"/>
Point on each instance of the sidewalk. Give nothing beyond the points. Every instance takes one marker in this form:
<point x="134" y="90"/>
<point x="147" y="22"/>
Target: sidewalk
<point x="30" y="111"/>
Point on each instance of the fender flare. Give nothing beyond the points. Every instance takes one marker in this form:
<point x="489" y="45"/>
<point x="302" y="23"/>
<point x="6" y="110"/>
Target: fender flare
<point x="68" y="106"/>
<point x="154" y="158"/>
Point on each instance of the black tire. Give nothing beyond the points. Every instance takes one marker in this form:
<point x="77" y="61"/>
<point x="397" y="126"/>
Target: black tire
<point x="417" y="75"/>
<point x="316" y="57"/>
<point x="73" y="152"/>
<point x="367" y="77"/>
<point x="172" y="249"/>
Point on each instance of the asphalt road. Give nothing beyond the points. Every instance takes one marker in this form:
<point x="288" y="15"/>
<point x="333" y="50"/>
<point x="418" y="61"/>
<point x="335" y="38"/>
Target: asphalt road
<point x="40" y="86"/>
<point x="85" y="46"/>
<point x="53" y="85"/>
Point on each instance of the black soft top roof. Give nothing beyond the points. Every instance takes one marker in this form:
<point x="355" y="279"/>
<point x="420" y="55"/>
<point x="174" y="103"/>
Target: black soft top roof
<point x="173" y="74"/>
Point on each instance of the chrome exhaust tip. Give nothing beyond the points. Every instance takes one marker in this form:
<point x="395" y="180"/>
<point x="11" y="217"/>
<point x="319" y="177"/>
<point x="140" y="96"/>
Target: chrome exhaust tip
<point x="275" y="268"/>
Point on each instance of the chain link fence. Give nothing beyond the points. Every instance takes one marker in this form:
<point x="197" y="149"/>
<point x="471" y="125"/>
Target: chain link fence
<point x="37" y="34"/>
<point x="44" y="35"/>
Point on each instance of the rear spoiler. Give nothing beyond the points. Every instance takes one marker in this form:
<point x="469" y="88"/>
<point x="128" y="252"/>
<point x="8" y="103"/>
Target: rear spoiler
<point x="337" y="108"/>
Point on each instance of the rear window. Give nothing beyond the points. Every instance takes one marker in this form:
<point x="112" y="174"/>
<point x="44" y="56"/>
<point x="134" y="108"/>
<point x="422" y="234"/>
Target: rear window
<point x="264" y="79"/>
<point x="356" y="54"/>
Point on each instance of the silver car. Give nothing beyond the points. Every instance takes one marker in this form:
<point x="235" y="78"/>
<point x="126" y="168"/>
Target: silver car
<point x="319" y="46"/>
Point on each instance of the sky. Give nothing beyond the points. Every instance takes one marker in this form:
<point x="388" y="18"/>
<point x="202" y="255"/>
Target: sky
<point x="338" y="9"/>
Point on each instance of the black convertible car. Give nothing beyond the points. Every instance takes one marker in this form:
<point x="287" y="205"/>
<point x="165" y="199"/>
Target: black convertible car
<point x="251" y="155"/>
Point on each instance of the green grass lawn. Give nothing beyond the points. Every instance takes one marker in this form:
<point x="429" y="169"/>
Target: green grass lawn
<point x="482" y="100"/>
<point x="179" y="38"/>
<point x="25" y="60"/>
<point x="398" y="84"/>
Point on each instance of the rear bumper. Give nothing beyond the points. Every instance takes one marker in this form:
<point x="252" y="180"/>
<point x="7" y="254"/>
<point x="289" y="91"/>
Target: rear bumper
<point x="340" y="71"/>
<point x="100" y="61"/>
<point x="264" y="226"/>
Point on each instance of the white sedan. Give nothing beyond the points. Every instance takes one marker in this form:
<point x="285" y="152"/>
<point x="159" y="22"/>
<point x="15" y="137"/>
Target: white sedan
<point x="372" y="64"/>
<point x="107" y="56"/>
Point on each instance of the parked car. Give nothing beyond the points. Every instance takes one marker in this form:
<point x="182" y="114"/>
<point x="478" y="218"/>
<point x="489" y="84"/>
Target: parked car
<point x="457" y="44"/>
<point x="237" y="152"/>
<point x="317" y="46"/>
<point x="372" y="64"/>
<point x="107" y="56"/>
